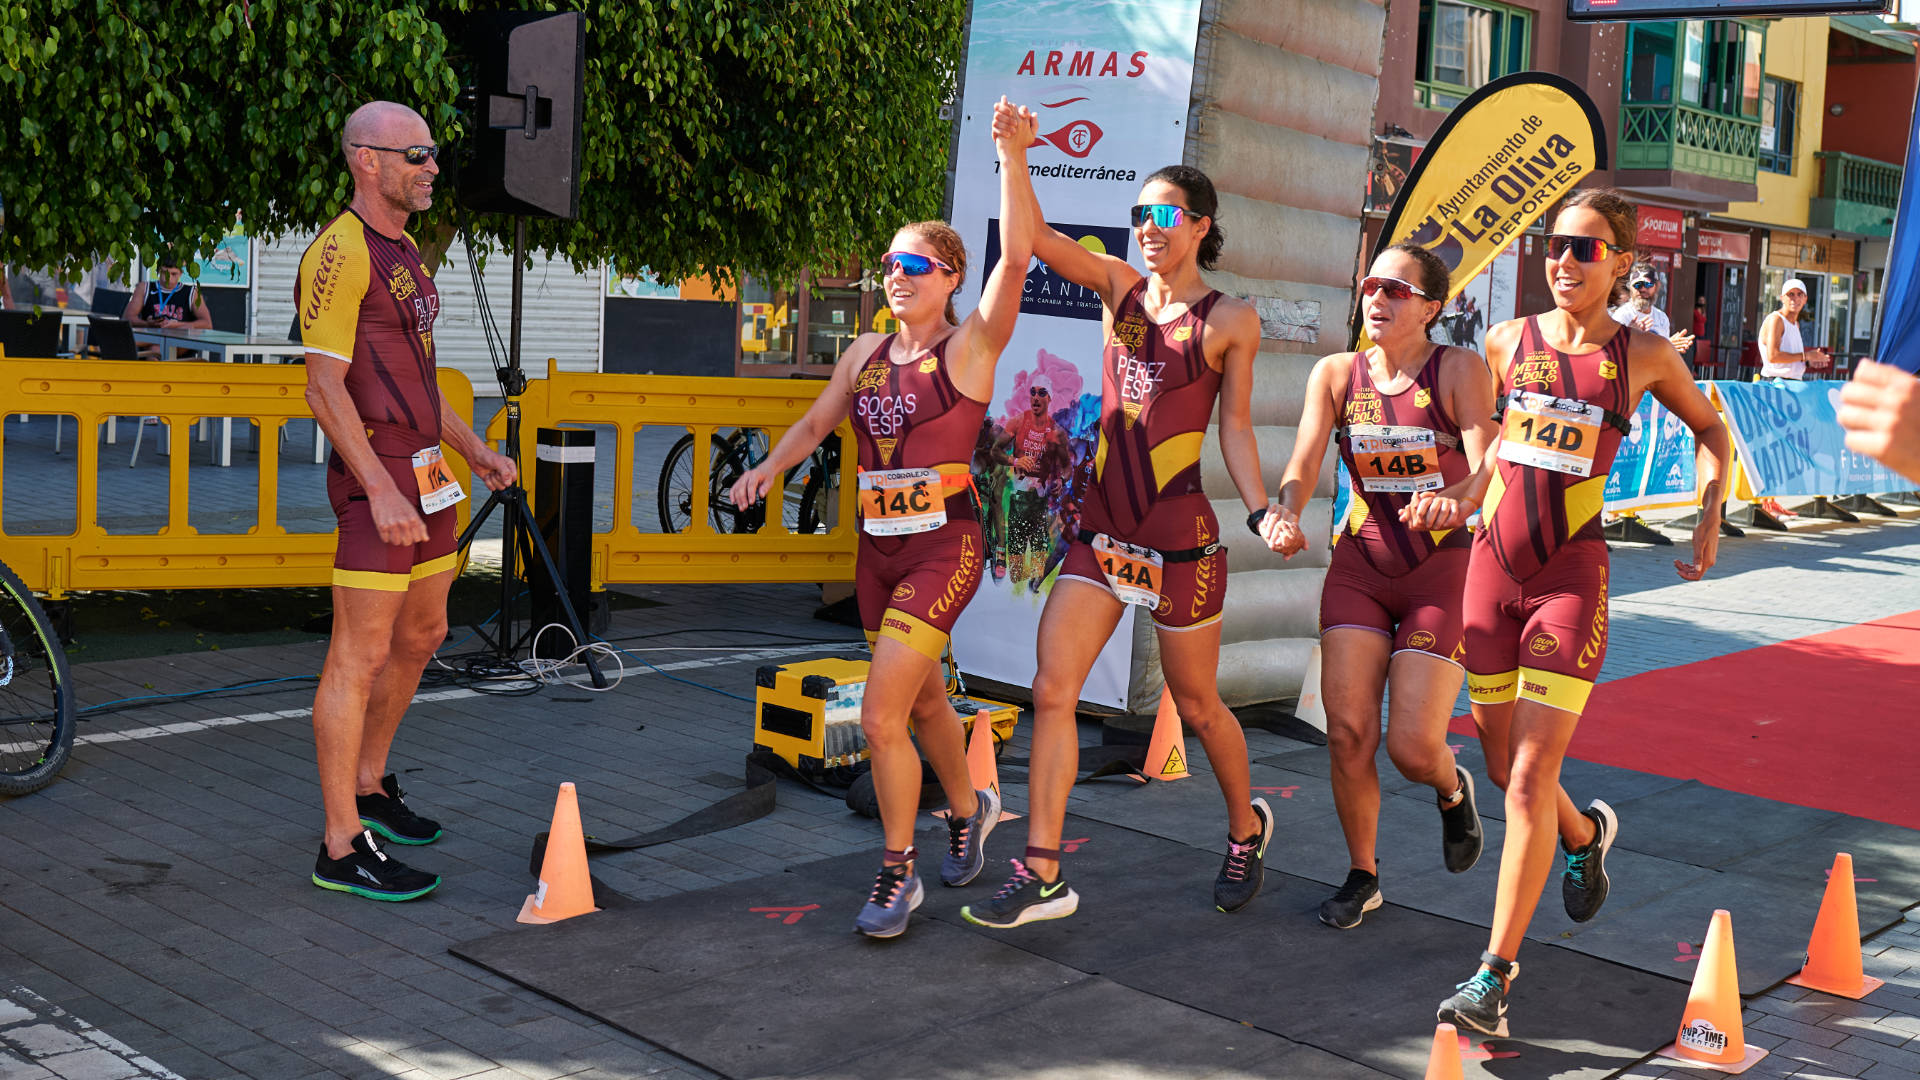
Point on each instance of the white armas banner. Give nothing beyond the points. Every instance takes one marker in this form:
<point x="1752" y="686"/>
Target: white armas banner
<point x="1111" y="83"/>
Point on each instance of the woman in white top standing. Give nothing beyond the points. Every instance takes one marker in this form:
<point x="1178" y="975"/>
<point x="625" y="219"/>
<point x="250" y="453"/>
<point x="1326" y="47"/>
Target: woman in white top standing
<point x="1784" y="356"/>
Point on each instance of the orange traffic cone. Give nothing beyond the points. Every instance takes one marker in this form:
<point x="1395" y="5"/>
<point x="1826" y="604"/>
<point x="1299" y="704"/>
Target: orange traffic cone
<point x="565" y="889"/>
<point x="983" y="766"/>
<point x="1443" y="1061"/>
<point x="1833" y="953"/>
<point x="1167" y="750"/>
<point x="1711" y="1033"/>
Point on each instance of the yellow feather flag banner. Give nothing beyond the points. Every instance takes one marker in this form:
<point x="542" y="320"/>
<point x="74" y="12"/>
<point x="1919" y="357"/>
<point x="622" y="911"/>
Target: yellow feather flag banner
<point x="1501" y="159"/>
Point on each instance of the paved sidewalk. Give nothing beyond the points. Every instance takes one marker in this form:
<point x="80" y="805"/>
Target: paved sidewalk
<point x="156" y="919"/>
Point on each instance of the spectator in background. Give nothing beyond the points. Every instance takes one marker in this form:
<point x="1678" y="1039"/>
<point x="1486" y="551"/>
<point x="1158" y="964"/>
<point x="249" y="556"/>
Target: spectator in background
<point x="167" y="303"/>
<point x="1784" y="356"/>
<point x="1642" y="311"/>
<point x="1880" y="410"/>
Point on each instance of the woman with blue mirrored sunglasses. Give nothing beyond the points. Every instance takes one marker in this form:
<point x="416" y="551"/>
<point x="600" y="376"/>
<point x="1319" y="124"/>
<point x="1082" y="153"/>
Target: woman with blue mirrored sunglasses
<point x="917" y="399"/>
<point x="1146" y="534"/>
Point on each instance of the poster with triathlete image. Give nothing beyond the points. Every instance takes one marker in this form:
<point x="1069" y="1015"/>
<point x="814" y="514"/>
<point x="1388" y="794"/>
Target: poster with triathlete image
<point x="1110" y="83"/>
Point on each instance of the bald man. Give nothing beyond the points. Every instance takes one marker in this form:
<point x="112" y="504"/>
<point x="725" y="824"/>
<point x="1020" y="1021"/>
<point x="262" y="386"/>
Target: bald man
<point x="366" y="306"/>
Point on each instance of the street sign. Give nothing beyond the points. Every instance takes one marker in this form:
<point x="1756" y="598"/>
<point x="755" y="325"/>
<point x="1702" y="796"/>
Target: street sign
<point x="1630" y="10"/>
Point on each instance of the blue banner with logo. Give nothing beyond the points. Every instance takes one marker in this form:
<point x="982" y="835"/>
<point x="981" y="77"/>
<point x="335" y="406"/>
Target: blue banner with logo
<point x="1790" y="442"/>
<point x="1669" y="479"/>
<point x="1629" y="470"/>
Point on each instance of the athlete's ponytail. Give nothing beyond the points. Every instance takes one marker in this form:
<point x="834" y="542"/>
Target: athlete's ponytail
<point x="952" y="251"/>
<point x="1435" y="279"/>
<point x="1201" y="200"/>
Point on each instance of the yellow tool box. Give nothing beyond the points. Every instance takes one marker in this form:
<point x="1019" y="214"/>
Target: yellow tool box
<point x="809" y="713"/>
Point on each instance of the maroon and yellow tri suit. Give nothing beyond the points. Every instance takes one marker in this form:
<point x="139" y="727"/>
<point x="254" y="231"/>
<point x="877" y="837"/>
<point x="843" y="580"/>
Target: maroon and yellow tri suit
<point x="1383" y="576"/>
<point x="1157" y="395"/>
<point x="1536" y="593"/>
<point x="912" y="586"/>
<point x="367" y="299"/>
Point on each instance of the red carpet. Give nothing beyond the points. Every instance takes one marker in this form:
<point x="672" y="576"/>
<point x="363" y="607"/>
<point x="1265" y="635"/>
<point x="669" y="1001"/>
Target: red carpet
<point x="1830" y="721"/>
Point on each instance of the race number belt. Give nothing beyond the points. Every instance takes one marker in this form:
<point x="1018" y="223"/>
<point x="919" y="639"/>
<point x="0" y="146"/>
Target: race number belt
<point x="1133" y="573"/>
<point x="1557" y="434"/>
<point x="1088" y="536"/>
<point x="438" y="488"/>
<point x="1396" y="458"/>
<point x="1622" y="424"/>
<point x="900" y="502"/>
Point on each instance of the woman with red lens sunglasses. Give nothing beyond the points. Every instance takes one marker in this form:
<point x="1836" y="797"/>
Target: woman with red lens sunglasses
<point x="1411" y="420"/>
<point x="917" y="398"/>
<point x="1535" y="604"/>
<point x="1147" y="535"/>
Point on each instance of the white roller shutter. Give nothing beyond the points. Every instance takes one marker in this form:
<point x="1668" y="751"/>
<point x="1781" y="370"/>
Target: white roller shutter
<point x="561" y="309"/>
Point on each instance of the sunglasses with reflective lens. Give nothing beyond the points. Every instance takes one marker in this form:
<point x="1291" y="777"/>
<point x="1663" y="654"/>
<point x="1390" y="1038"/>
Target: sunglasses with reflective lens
<point x="1393" y="287"/>
<point x="910" y="264"/>
<point x="1165" y="215"/>
<point x="1585" y="249"/>
<point x="415" y="155"/>
<point x="1643" y="284"/>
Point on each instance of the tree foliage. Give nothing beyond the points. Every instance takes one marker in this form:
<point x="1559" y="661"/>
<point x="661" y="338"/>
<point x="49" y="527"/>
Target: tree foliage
<point x="755" y="135"/>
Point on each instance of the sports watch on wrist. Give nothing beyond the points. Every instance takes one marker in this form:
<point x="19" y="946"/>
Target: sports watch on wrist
<point x="1254" y="519"/>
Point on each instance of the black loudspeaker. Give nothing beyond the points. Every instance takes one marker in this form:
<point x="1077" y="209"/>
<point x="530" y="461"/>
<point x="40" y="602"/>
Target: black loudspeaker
<point x="526" y="104"/>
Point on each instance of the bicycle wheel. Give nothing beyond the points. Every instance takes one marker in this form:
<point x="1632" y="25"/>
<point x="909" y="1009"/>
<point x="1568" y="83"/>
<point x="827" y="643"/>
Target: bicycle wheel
<point x="675" y="496"/>
<point x="36" y="700"/>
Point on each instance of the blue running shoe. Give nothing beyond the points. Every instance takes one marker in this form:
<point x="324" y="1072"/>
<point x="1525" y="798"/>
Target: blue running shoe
<point x="967" y="840"/>
<point x="1480" y="1003"/>
<point x="896" y="892"/>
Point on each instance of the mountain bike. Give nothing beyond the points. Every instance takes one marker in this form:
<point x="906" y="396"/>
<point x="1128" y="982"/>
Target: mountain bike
<point x="808" y="506"/>
<point x="37" y="713"/>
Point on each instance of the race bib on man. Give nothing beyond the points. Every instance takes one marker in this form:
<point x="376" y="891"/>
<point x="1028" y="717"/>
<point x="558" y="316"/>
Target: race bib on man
<point x="438" y="488"/>
<point x="1133" y="573"/>
<point x="1396" y="458"/>
<point x="897" y="502"/>
<point x="1557" y="434"/>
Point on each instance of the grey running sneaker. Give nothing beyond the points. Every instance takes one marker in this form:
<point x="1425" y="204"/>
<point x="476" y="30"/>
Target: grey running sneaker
<point x="1480" y="1003"/>
<point x="1024" y="899"/>
<point x="1245" y="867"/>
<point x="1461" y="836"/>
<point x="967" y="840"/>
<point x="367" y="871"/>
<point x="1584" y="888"/>
<point x="896" y="892"/>
<point x="1359" y="895"/>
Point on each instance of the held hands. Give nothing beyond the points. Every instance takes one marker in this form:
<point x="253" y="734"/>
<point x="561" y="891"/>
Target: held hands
<point x="1437" y="510"/>
<point x="1014" y="128"/>
<point x="396" y="518"/>
<point x="1281" y="530"/>
<point x="752" y="487"/>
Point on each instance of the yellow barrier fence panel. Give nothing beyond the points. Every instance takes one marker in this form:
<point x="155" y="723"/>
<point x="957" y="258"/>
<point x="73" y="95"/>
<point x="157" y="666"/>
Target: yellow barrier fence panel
<point x="176" y="556"/>
<point x="706" y="409"/>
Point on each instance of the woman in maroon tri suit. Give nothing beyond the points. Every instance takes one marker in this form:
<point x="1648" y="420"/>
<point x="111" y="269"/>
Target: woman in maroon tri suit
<point x="918" y="398"/>
<point x="1412" y="421"/>
<point x="1535" y="605"/>
<point x="1148" y="536"/>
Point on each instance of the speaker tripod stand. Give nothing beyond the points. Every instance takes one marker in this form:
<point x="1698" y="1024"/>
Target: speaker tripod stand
<point x="517" y="531"/>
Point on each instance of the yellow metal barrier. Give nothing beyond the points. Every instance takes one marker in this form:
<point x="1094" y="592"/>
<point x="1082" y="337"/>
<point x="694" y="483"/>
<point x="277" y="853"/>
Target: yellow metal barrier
<point x="177" y="556"/>
<point x="703" y="407"/>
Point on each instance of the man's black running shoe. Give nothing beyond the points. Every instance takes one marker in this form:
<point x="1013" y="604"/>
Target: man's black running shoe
<point x="1024" y="899"/>
<point x="1461" y="836"/>
<point x="1359" y="895"/>
<point x="1244" y="869"/>
<point x="1584" y="888"/>
<point x="367" y="871"/>
<point x="1480" y="1003"/>
<point x="386" y="813"/>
